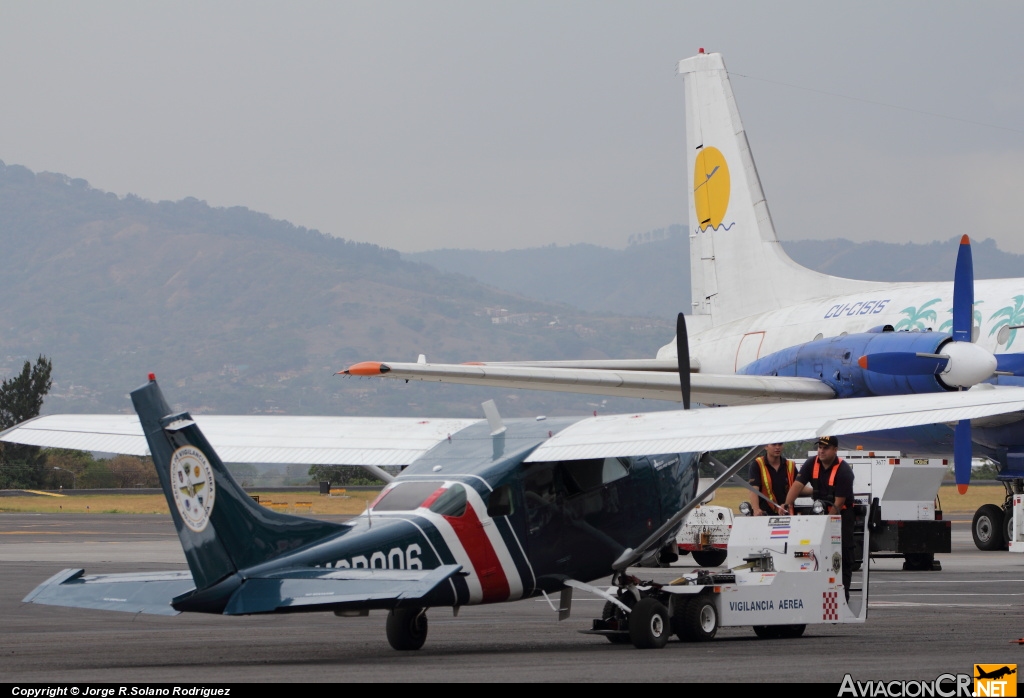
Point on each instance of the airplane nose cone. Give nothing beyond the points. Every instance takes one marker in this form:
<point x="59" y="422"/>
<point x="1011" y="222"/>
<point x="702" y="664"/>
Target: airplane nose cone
<point x="968" y="364"/>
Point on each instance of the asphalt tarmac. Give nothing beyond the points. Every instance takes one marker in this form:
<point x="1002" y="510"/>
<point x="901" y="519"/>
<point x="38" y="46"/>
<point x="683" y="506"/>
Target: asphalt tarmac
<point x="920" y="625"/>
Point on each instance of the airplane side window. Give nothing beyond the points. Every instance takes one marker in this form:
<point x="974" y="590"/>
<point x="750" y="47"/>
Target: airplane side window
<point x="614" y="469"/>
<point x="500" y="502"/>
<point x="452" y="502"/>
<point x="592" y="473"/>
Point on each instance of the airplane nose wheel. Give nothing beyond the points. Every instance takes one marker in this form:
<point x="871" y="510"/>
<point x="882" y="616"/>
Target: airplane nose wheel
<point x="407" y="628"/>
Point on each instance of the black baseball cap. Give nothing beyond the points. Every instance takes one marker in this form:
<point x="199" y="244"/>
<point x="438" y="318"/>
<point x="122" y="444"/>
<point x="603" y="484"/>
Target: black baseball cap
<point x="828" y="441"/>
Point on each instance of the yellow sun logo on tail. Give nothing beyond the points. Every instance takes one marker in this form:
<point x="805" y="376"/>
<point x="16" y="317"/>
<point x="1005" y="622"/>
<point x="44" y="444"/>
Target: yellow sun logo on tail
<point x="710" y="188"/>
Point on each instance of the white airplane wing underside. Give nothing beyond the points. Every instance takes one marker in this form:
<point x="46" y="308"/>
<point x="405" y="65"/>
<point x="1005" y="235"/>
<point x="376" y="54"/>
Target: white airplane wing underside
<point x="716" y="429"/>
<point x="716" y="389"/>
<point x="366" y="441"/>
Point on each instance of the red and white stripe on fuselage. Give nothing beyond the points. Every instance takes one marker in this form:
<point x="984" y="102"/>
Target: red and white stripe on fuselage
<point x="477" y="545"/>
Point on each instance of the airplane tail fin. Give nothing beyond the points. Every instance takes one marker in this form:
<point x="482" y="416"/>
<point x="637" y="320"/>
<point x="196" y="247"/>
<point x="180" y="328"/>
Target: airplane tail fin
<point x="733" y="246"/>
<point x="221" y="528"/>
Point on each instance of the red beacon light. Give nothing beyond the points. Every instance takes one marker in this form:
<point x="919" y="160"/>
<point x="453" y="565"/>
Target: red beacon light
<point x="152" y="376"/>
<point x="700" y="50"/>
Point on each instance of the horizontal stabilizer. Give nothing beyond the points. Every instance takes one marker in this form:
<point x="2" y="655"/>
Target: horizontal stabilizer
<point x="304" y="588"/>
<point x="143" y="592"/>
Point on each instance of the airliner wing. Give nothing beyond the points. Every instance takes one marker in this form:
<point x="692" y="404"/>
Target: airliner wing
<point x="657" y="383"/>
<point x="716" y="429"/>
<point x="365" y="441"/>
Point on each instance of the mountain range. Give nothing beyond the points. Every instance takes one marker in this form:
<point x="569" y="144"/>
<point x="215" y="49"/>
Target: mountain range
<point x="237" y="312"/>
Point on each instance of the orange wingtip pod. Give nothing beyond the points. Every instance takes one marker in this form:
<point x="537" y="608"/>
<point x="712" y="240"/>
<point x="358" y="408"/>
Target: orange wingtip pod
<point x="965" y="240"/>
<point x="367" y="368"/>
<point x="863" y="362"/>
<point x="962" y="489"/>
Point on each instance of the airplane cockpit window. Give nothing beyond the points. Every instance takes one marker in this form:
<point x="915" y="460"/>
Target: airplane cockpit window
<point x="451" y="502"/>
<point x="406" y="496"/>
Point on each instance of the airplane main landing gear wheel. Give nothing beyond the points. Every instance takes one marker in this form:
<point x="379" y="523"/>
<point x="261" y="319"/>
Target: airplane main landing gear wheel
<point x="649" y="627"/>
<point x="709" y="558"/>
<point x="700" y="620"/>
<point x="407" y="628"/>
<point x="987" y="528"/>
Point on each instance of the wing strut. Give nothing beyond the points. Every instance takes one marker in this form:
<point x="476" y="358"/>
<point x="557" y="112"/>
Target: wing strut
<point x="631" y="556"/>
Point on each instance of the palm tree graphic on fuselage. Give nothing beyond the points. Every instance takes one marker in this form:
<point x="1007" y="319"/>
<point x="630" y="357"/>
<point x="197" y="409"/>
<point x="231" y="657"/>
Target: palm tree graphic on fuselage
<point x="917" y="317"/>
<point x="947" y="326"/>
<point x="1011" y="316"/>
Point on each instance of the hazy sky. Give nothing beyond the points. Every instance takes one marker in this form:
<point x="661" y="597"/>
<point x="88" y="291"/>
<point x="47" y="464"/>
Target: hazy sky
<point x="493" y="125"/>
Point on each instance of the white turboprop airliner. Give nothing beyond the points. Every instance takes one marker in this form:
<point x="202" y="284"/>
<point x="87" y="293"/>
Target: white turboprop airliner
<point x="781" y="335"/>
<point x="763" y="328"/>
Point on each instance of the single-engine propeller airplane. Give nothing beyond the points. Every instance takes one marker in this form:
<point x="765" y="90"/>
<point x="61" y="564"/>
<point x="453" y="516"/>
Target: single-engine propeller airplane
<point x="495" y="511"/>
<point x="765" y="329"/>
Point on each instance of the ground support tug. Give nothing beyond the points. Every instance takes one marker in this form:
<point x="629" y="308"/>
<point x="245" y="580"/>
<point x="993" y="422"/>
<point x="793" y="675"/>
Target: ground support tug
<point x="784" y="573"/>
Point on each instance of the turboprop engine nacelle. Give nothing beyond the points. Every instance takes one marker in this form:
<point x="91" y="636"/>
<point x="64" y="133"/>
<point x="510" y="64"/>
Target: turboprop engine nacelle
<point x="837" y="362"/>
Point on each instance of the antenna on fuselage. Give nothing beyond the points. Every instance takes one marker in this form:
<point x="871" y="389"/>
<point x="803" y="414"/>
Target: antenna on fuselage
<point x="493" y="418"/>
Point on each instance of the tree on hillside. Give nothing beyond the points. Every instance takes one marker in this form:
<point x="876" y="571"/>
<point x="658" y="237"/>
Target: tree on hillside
<point x="21" y="398"/>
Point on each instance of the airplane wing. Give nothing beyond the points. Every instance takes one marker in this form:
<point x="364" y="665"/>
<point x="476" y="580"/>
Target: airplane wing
<point x="658" y="380"/>
<point x="295" y="589"/>
<point x="721" y="428"/>
<point x="366" y="441"/>
<point x="358" y="588"/>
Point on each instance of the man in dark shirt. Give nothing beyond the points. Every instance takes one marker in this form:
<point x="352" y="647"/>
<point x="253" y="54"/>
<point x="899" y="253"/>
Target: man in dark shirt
<point x="831" y="479"/>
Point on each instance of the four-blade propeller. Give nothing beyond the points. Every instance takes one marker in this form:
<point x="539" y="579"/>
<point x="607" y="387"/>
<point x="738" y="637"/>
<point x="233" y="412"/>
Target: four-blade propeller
<point x="961" y="363"/>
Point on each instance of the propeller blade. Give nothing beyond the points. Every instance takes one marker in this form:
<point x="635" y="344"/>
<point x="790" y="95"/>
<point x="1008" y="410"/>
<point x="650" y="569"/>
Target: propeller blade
<point x="683" y="359"/>
<point x="963" y="293"/>
<point x="903" y="363"/>
<point x="962" y="455"/>
<point x="1010" y="363"/>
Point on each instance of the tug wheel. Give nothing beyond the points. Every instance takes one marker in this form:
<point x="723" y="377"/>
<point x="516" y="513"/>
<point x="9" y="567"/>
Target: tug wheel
<point x="700" y="619"/>
<point x="649" y="626"/>
<point x="407" y="628"/>
<point x="710" y="558"/>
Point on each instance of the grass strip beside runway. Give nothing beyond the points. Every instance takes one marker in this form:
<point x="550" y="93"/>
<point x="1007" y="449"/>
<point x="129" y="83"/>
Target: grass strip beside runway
<point x="308" y="504"/>
<point x="302" y="503"/>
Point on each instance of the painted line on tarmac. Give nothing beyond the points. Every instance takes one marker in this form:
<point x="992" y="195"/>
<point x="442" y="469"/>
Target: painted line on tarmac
<point x="956" y="594"/>
<point x="910" y="604"/>
<point x="943" y="581"/>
